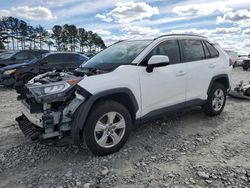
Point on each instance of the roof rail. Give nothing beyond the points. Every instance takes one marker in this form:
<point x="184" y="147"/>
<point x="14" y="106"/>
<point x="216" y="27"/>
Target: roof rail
<point x="167" y="35"/>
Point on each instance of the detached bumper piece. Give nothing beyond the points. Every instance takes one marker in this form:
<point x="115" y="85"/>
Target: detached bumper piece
<point x="28" y="128"/>
<point x="241" y="91"/>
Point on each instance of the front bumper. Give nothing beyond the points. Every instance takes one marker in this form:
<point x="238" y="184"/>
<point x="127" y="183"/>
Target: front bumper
<point x="7" y="80"/>
<point x="51" y="121"/>
<point x="35" y="118"/>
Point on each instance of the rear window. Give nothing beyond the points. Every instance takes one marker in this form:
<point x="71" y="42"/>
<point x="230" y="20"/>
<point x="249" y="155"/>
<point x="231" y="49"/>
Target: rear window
<point x="55" y="58"/>
<point x="192" y="50"/>
<point x="212" y="50"/>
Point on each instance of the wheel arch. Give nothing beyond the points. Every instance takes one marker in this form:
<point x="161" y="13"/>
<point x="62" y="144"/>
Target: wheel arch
<point x="25" y="74"/>
<point x="121" y="95"/>
<point x="222" y="79"/>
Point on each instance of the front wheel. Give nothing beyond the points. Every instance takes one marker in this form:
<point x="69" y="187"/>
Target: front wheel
<point x="107" y="128"/>
<point x="216" y="100"/>
<point x="26" y="78"/>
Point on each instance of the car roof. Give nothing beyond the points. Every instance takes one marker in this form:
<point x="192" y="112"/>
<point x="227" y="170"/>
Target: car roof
<point x="173" y="36"/>
<point x="63" y="53"/>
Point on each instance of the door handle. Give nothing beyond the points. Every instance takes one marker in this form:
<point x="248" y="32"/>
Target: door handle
<point x="212" y="65"/>
<point x="181" y="73"/>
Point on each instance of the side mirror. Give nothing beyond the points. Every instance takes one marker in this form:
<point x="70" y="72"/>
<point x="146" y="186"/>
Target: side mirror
<point x="157" y="61"/>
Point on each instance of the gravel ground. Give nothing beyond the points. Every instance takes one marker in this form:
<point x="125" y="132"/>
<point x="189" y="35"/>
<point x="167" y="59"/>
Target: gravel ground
<point x="188" y="149"/>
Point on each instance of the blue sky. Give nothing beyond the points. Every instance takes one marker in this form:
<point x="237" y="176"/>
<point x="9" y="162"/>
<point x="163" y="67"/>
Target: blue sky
<point x="226" y="21"/>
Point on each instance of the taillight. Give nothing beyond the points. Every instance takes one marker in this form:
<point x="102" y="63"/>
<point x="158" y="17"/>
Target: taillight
<point x="231" y="62"/>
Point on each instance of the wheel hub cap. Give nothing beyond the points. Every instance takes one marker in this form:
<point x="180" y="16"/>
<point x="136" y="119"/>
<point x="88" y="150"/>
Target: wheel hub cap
<point x="110" y="129"/>
<point x="218" y="99"/>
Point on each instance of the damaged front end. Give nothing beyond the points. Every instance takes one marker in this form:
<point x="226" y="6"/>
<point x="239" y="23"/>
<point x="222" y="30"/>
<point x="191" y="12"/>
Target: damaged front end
<point x="48" y="103"/>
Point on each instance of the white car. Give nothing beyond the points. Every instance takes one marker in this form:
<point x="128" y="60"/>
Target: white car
<point x="128" y="83"/>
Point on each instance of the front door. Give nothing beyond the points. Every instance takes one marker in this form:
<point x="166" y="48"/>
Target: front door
<point x="164" y="88"/>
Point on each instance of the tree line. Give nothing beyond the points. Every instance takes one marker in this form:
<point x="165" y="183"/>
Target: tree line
<point x="18" y="34"/>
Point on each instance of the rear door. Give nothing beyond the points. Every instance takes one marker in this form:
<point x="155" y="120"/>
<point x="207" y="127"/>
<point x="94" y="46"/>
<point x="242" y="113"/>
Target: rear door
<point x="52" y="62"/>
<point x="199" y="69"/>
<point x="72" y="61"/>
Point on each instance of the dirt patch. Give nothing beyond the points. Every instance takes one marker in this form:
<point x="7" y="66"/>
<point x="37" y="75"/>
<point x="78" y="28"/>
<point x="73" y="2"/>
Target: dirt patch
<point x="188" y="149"/>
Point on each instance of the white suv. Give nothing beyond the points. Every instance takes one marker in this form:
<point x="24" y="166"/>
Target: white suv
<point x="128" y="83"/>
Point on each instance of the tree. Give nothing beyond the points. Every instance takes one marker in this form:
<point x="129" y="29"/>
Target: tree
<point x="49" y="43"/>
<point x="67" y="37"/>
<point x="57" y="36"/>
<point x="11" y="25"/>
<point x="23" y="31"/>
<point x="41" y="35"/>
<point x="72" y="36"/>
<point x="82" y="37"/>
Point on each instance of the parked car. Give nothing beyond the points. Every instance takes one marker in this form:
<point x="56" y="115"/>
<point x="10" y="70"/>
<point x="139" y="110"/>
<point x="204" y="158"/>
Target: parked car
<point x="246" y="63"/>
<point x="234" y="56"/>
<point x="25" y="71"/>
<point x="127" y="83"/>
<point x="2" y="51"/>
<point x="241" y="58"/>
<point x="15" y="57"/>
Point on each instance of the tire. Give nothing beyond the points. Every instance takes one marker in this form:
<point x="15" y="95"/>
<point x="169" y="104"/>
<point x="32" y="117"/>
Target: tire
<point x="102" y="115"/>
<point x="234" y="65"/>
<point x="245" y="69"/>
<point x="26" y="77"/>
<point x="216" y="100"/>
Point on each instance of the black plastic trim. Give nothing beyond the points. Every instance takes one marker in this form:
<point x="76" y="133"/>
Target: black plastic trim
<point x="169" y="110"/>
<point x="216" y="78"/>
<point x="83" y="111"/>
<point x="83" y="91"/>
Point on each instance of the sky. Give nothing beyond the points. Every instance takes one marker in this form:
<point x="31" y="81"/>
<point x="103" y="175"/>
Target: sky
<point x="226" y="22"/>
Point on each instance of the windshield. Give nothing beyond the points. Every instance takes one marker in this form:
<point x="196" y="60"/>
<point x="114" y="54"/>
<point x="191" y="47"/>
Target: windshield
<point x="6" y="55"/>
<point x="122" y="53"/>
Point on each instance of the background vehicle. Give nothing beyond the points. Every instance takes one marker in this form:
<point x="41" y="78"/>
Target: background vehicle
<point x="241" y="58"/>
<point x="52" y="61"/>
<point x="10" y="58"/>
<point x="246" y="63"/>
<point x="128" y="83"/>
<point x="234" y="56"/>
<point x="1" y="51"/>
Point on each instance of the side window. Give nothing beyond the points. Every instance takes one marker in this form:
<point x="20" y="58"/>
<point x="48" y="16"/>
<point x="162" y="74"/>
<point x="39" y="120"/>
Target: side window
<point x="207" y="53"/>
<point x="192" y="50"/>
<point x="169" y="48"/>
<point x="73" y="57"/>
<point x="22" y="56"/>
<point x="54" y="58"/>
<point x="212" y="50"/>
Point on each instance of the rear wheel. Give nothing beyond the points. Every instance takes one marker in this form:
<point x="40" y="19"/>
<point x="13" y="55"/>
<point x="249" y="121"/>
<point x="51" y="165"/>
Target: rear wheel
<point x="216" y="100"/>
<point x="107" y="128"/>
<point x="245" y="69"/>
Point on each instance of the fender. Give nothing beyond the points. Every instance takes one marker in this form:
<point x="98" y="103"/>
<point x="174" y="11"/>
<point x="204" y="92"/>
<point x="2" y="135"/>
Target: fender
<point x="82" y="112"/>
<point x="217" y="77"/>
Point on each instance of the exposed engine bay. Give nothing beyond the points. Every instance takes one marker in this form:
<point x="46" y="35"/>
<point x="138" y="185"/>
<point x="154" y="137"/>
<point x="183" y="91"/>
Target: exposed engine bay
<point x="48" y="103"/>
<point x="241" y="91"/>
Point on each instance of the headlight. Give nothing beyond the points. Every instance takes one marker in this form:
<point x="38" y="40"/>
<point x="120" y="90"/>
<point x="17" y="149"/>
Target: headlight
<point x="9" y="71"/>
<point x="49" y="88"/>
<point x="52" y="91"/>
